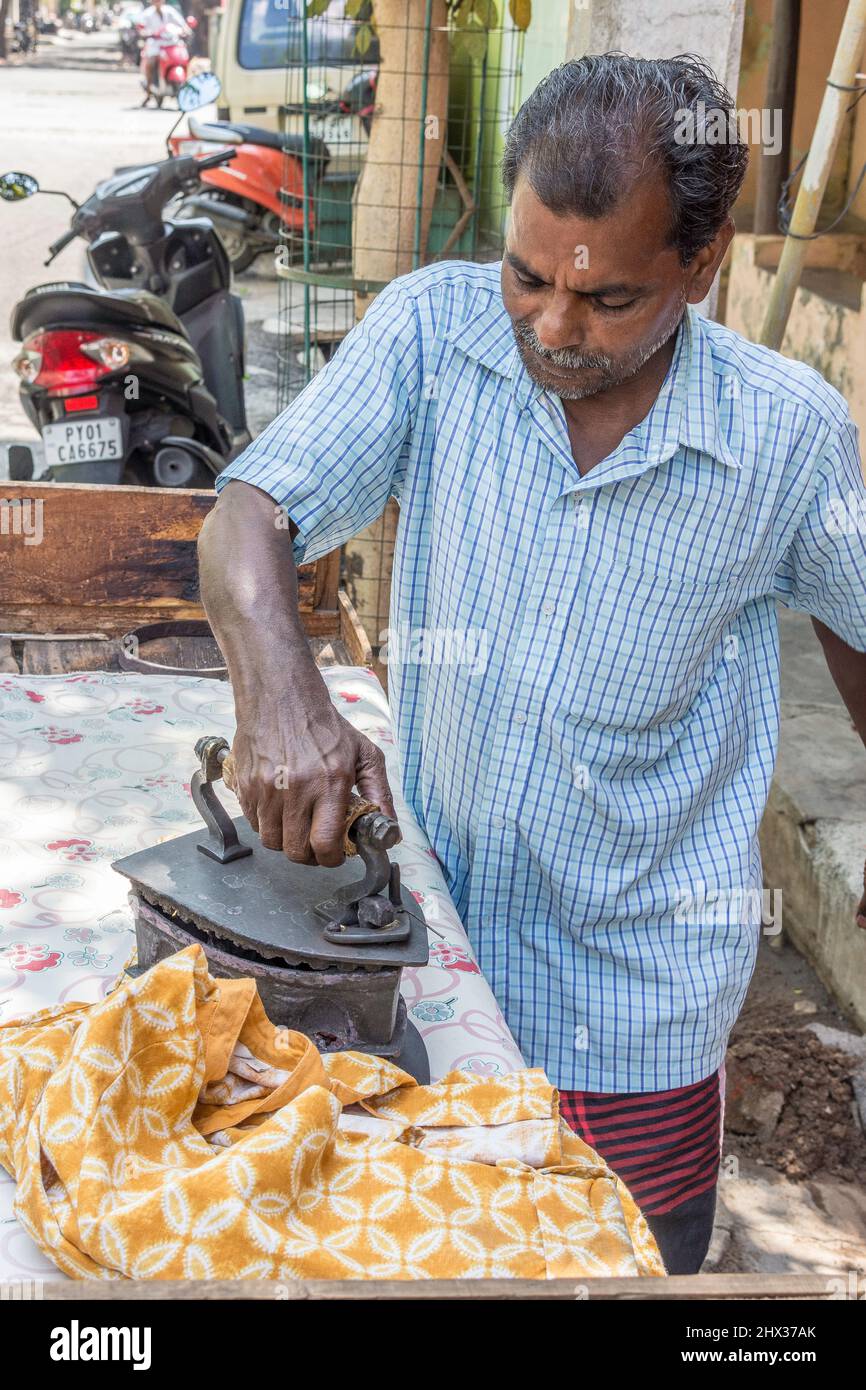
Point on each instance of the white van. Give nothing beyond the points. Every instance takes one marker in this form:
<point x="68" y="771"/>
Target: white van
<point x="258" y="55"/>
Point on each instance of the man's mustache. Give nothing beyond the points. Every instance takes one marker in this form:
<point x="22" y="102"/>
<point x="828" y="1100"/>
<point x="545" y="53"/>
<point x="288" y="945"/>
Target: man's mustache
<point x="569" y="358"/>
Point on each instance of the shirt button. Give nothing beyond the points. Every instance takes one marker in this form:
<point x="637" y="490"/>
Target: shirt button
<point x="520" y="717"/>
<point x="497" y="821"/>
<point x="548" y="608"/>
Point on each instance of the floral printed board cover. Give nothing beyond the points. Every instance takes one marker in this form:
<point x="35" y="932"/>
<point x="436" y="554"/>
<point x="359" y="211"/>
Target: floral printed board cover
<point x="102" y="764"/>
<point x="173" y="1132"/>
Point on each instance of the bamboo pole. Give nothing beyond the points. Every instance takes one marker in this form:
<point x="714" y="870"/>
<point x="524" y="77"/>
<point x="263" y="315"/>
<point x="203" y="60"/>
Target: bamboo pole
<point x="831" y="119"/>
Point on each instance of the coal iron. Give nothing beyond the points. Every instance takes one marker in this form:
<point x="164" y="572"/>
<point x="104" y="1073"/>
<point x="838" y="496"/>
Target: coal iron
<point x="326" y="947"/>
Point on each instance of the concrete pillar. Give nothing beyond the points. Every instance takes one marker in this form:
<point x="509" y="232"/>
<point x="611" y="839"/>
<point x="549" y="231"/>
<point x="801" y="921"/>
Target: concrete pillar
<point x="712" y="29"/>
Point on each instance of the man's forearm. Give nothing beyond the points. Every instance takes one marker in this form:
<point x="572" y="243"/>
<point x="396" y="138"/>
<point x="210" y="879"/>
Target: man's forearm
<point x="294" y="758"/>
<point x="249" y="587"/>
<point x="847" y="666"/>
<point x="848" y="669"/>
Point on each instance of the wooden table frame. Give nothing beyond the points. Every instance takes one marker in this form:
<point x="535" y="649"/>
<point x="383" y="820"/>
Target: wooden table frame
<point x="113" y="558"/>
<point x="673" y="1288"/>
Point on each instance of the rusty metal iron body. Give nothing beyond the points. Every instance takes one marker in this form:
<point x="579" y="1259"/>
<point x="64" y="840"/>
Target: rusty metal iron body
<point x="325" y="946"/>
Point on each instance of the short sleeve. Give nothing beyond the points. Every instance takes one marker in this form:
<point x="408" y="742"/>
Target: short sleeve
<point x="823" y="571"/>
<point x="332" y="458"/>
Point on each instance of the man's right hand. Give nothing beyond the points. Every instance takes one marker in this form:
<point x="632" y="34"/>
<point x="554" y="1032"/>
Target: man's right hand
<point x="294" y="759"/>
<point x="293" y="769"/>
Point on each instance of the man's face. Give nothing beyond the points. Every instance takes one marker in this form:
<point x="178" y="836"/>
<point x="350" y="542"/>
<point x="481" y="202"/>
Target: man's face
<point x="592" y="301"/>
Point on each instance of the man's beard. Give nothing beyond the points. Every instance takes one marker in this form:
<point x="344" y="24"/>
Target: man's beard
<point x="607" y="371"/>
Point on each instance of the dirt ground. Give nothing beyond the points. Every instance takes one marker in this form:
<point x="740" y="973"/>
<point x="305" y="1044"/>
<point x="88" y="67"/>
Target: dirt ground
<point x="806" y="1126"/>
<point x="792" y="1194"/>
<point x="792" y="1190"/>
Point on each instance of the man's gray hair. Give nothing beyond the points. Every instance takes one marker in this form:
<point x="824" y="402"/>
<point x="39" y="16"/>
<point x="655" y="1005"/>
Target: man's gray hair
<point x="595" y="124"/>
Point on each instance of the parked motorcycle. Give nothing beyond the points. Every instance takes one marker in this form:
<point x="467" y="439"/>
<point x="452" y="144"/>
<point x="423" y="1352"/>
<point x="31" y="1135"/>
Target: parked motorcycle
<point x="24" y="37"/>
<point x="141" y="378"/>
<point x="257" y="201"/>
<point x="130" y="39"/>
<point x="172" y="63"/>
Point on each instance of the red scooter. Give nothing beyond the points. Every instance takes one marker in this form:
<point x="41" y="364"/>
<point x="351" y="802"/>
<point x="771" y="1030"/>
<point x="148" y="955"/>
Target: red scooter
<point x="172" y="63"/>
<point x="258" y="200"/>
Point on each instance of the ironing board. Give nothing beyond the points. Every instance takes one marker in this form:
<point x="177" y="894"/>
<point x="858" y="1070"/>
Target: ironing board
<point x="97" y="765"/>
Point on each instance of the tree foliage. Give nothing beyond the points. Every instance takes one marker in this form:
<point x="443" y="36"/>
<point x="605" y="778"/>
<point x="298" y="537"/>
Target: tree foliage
<point x="472" y="21"/>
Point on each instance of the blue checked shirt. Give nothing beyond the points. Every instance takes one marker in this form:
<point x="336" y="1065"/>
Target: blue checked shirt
<point x="584" y="671"/>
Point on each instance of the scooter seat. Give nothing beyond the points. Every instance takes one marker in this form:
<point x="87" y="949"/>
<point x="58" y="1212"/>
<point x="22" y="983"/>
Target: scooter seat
<point x="237" y="133"/>
<point x="71" y="303"/>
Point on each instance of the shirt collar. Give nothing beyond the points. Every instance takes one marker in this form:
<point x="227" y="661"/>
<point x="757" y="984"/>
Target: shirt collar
<point x="488" y="340"/>
<point x="685" y="411"/>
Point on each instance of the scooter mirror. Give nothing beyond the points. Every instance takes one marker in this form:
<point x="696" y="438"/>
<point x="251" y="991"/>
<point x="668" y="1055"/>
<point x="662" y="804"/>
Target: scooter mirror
<point x="200" y="90"/>
<point x="14" y="187"/>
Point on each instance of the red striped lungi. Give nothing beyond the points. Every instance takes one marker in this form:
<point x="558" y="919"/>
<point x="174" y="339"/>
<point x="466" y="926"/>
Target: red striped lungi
<point x="665" y="1145"/>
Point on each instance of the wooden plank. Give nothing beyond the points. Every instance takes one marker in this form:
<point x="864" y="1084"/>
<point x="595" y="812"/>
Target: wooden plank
<point x="69" y="654"/>
<point x="327" y="581"/>
<point x="841" y="251"/>
<point x="81" y="558"/>
<point x="57" y="656"/>
<point x="676" y="1288"/>
<point x="354" y="633"/>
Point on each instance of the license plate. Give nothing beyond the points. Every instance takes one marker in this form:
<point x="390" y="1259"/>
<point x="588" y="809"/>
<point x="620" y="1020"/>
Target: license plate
<point x="336" y="130"/>
<point x="83" y="441"/>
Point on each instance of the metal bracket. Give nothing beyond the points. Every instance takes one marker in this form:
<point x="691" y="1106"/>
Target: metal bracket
<point x="223" y="843"/>
<point x="372" y="910"/>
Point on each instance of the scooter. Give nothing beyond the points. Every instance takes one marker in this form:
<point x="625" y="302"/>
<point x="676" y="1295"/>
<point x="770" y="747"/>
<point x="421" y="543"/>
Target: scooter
<point x="24" y="38"/>
<point x="172" y="63"/>
<point x="257" y="201"/>
<point x="131" y="44"/>
<point x="140" y="379"/>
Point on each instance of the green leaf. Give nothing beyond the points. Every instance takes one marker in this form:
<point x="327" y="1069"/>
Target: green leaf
<point x="486" y="12"/>
<point x="472" y="41"/>
<point x="354" y="8"/>
<point x="363" y="39"/>
<point x="463" y="14"/>
<point x="316" y="7"/>
<point x="521" y="13"/>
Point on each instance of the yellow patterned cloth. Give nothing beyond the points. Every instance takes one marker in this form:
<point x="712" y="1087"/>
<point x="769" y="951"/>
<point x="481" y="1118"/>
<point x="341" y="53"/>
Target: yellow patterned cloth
<point x="173" y="1132"/>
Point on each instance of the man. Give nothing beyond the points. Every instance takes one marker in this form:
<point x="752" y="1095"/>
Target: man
<point x="150" y="25"/>
<point x="602" y="494"/>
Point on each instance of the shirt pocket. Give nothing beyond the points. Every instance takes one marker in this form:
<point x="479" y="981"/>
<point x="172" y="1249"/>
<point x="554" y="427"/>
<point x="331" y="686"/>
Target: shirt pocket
<point x="647" y="641"/>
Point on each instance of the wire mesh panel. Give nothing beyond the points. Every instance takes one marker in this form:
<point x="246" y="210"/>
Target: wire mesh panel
<point x="394" y="116"/>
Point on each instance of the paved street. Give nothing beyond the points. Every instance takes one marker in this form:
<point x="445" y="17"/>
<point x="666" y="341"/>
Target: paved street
<point x="69" y="117"/>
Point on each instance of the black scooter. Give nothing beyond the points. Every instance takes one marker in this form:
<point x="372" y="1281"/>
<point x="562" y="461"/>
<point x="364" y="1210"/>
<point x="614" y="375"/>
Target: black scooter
<point x="140" y="380"/>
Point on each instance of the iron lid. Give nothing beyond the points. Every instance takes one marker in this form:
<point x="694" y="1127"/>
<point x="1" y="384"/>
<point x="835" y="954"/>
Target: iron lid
<point x="263" y="902"/>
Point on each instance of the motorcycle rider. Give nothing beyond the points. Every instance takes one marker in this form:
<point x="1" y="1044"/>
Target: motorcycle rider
<point x="150" y="24"/>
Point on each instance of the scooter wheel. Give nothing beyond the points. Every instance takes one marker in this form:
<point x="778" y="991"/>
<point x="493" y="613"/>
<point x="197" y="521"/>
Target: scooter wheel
<point x="238" y="247"/>
<point x="174" y="467"/>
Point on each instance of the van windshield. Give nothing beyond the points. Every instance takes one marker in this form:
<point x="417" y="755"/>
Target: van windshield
<point x="271" y="35"/>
